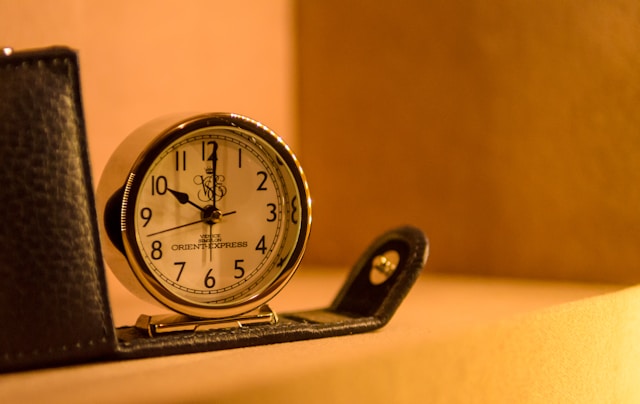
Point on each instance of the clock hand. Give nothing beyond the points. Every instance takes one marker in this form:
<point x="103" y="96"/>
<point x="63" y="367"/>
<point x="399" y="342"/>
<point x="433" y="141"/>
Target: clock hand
<point x="210" y="240"/>
<point x="183" y="198"/>
<point x="175" y="228"/>
<point x="203" y="219"/>
<point x="214" y="162"/>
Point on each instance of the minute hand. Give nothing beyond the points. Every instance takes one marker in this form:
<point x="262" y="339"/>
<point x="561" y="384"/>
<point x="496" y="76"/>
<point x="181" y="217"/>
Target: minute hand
<point x="214" y="163"/>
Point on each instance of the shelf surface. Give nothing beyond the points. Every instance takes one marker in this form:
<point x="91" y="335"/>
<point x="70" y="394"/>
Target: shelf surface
<point x="454" y="339"/>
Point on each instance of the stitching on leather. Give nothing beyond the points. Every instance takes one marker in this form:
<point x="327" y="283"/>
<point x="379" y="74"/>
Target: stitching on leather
<point x="79" y="345"/>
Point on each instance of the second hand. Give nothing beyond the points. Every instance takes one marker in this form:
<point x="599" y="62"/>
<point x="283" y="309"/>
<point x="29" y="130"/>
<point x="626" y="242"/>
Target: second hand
<point x="187" y="224"/>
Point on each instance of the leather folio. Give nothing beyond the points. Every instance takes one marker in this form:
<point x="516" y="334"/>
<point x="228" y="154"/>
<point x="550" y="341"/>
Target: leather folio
<point x="54" y="308"/>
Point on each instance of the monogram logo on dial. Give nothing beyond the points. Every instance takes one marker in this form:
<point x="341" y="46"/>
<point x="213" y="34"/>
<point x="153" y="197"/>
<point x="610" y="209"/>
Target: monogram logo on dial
<point x="210" y="189"/>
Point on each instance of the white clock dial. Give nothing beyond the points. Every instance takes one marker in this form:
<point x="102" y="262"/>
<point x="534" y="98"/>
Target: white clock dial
<point x="215" y="215"/>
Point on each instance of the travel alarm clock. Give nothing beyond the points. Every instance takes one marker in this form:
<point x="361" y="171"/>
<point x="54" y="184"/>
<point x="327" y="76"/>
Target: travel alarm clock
<point x="207" y="215"/>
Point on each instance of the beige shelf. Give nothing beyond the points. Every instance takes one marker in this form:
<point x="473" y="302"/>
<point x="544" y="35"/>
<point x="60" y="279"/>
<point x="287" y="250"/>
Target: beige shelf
<point x="454" y="339"/>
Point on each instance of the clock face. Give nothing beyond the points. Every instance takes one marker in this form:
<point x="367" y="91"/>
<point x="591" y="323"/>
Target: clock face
<point x="216" y="217"/>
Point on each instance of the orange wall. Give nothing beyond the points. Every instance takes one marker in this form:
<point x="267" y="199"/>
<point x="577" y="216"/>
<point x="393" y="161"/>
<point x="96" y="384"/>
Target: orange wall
<point x="508" y="130"/>
<point x="143" y="59"/>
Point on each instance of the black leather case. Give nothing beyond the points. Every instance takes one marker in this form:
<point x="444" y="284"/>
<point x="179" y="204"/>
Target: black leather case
<point x="54" y="309"/>
<point x="53" y="302"/>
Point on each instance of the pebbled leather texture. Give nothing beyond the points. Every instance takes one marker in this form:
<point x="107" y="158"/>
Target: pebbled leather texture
<point x="53" y="304"/>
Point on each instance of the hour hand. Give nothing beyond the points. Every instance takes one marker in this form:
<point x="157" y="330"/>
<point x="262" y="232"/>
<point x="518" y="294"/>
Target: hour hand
<point x="183" y="198"/>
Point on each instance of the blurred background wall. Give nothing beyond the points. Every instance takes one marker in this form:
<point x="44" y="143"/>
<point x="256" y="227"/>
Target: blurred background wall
<point x="146" y="58"/>
<point x="508" y="131"/>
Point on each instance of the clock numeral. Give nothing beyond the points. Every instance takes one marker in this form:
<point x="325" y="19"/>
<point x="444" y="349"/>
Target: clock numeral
<point x="181" y="264"/>
<point x="239" y="158"/>
<point x="209" y="280"/>
<point x="294" y="209"/>
<point x="239" y="269"/>
<point x="272" y="211"/>
<point x="212" y="156"/>
<point x="182" y="166"/>
<point x="156" y="250"/>
<point x="146" y="214"/>
<point x="264" y="176"/>
<point x="261" y="246"/>
<point x="158" y="185"/>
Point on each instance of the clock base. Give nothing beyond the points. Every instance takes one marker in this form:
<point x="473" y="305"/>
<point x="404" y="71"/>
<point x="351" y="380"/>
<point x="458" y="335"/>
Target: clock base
<point x="169" y="323"/>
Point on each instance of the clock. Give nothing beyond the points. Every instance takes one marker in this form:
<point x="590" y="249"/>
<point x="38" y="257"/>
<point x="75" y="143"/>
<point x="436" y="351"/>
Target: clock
<point x="207" y="215"/>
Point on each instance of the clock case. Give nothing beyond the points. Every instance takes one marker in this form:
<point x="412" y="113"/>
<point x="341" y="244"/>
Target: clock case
<point x="54" y="306"/>
<point x="119" y="189"/>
